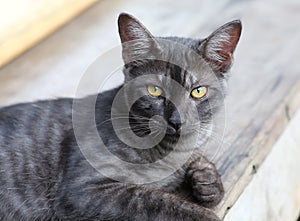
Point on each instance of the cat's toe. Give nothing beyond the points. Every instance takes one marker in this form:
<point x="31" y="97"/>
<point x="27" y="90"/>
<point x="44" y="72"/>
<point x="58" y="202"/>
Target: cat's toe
<point x="208" y="195"/>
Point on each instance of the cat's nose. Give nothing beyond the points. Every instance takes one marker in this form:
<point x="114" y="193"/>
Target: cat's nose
<point x="175" y="122"/>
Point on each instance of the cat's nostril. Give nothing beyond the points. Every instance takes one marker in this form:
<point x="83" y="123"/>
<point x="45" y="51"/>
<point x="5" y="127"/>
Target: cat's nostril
<point x="176" y="126"/>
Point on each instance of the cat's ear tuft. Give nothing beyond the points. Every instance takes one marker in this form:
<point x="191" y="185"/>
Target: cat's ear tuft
<point x="218" y="48"/>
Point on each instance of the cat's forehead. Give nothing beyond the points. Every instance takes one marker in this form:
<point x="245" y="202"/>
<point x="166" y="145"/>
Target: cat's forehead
<point x="187" y="75"/>
<point x="180" y="61"/>
<point x="185" y="64"/>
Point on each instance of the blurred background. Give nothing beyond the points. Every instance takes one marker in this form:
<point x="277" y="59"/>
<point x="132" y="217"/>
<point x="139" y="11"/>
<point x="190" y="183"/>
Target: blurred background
<point x="270" y="29"/>
<point x="46" y="46"/>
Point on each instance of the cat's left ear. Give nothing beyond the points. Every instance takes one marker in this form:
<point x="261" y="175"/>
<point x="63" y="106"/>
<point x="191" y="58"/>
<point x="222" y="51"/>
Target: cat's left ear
<point x="137" y="41"/>
<point x="218" y="48"/>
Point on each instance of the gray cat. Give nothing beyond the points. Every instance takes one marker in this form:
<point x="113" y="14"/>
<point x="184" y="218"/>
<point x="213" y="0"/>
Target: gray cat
<point x="44" y="174"/>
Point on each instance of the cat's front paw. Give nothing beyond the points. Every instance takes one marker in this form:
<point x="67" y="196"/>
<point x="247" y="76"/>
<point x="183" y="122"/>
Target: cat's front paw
<point x="206" y="183"/>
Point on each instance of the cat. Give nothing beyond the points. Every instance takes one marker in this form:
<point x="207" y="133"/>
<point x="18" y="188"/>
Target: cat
<point x="45" y="175"/>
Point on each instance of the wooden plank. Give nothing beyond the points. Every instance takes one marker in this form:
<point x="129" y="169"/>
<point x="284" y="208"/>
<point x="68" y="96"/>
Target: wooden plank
<point x="264" y="202"/>
<point x="264" y="87"/>
<point x="253" y="160"/>
<point x="21" y="29"/>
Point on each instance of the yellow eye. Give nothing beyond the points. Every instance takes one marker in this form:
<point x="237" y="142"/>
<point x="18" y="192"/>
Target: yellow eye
<point x="154" y="90"/>
<point x="199" y="92"/>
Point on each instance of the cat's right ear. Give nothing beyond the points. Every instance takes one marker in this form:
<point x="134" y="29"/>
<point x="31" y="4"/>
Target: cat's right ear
<point x="137" y="42"/>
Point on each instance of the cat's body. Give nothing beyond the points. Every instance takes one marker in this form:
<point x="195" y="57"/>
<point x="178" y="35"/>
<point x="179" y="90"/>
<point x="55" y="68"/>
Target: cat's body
<point x="45" y="176"/>
<point x="30" y="137"/>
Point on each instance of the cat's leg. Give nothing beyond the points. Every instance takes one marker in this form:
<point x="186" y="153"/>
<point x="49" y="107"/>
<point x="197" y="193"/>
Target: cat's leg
<point x="115" y="201"/>
<point x="205" y="181"/>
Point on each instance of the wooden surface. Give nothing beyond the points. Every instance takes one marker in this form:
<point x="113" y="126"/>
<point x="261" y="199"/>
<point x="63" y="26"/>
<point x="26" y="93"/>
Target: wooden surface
<point x="274" y="192"/>
<point x="25" y="22"/>
<point x="264" y="87"/>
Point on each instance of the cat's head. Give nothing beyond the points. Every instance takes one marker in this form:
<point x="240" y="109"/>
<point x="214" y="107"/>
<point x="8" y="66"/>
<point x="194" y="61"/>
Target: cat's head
<point x="199" y="67"/>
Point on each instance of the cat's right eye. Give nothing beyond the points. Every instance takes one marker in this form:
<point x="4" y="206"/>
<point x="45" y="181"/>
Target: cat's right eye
<point x="199" y="92"/>
<point x="154" y="90"/>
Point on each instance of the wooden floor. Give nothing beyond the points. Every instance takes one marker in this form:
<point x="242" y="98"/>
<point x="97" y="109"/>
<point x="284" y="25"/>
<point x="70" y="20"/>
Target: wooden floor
<point x="264" y="88"/>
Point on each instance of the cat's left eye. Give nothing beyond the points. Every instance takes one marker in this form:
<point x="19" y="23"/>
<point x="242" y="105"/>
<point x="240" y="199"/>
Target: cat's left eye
<point x="199" y="92"/>
<point x="154" y="90"/>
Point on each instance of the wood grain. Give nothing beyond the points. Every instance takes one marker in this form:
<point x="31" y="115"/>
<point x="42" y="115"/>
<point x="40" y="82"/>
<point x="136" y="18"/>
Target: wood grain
<point x="274" y="192"/>
<point x="21" y="29"/>
<point x="264" y="84"/>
